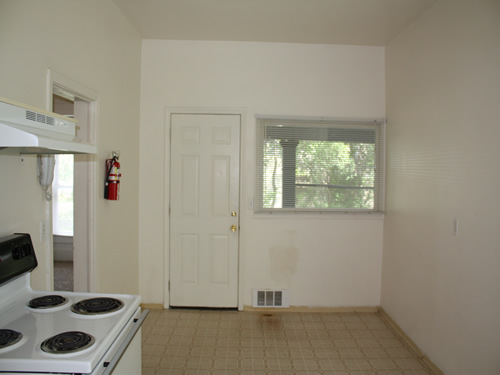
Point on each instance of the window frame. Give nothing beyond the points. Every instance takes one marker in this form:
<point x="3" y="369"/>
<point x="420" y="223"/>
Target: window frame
<point x="379" y="185"/>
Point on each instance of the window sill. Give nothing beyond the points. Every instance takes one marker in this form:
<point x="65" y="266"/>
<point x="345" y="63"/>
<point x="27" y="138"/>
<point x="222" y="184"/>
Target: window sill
<point x="336" y="215"/>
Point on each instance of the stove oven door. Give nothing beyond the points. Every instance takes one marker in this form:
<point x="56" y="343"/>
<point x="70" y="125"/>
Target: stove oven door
<point x="124" y="355"/>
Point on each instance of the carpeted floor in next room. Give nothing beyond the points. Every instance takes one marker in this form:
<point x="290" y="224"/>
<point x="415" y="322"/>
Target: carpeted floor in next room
<point x="63" y="276"/>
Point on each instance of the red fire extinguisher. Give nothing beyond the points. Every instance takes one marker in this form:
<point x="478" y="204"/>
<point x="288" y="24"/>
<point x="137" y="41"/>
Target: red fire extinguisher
<point x="112" y="180"/>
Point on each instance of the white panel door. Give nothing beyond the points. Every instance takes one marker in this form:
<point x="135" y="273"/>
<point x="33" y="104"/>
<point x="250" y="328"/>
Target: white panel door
<point x="204" y="197"/>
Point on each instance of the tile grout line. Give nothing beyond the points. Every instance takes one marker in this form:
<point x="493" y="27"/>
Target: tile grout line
<point x="178" y="325"/>
<point x="299" y="345"/>
<point x="251" y="348"/>
<point x="329" y="358"/>
<point x="202" y="346"/>
<point x="227" y="349"/>
<point x="405" y="345"/>
<point x="276" y="349"/>
<point x="342" y="321"/>
<point x="156" y="343"/>
<point x="184" y="329"/>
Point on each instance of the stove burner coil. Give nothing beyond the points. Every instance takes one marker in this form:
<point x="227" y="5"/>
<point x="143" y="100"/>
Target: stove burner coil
<point x="94" y="306"/>
<point x="46" y="302"/>
<point x="9" y="337"/>
<point x="67" y="342"/>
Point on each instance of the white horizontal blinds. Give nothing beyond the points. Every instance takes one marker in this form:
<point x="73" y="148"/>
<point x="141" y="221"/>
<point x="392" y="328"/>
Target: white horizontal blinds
<point x="313" y="165"/>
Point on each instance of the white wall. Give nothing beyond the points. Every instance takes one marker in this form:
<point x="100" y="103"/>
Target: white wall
<point x="330" y="261"/>
<point x="443" y="95"/>
<point x="90" y="42"/>
<point x="63" y="248"/>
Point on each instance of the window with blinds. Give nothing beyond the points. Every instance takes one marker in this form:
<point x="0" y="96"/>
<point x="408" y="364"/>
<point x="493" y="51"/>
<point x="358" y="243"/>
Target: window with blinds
<point x="319" y="166"/>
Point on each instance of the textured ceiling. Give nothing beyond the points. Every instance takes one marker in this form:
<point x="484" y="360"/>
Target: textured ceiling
<point x="357" y="22"/>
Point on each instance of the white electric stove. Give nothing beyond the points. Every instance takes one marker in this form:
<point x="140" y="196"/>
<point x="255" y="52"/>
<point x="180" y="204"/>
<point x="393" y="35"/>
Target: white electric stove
<point x="62" y="332"/>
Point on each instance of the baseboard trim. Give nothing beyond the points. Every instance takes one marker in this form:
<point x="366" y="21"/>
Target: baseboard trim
<point x="362" y="309"/>
<point x="432" y="366"/>
<point x="152" y="306"/>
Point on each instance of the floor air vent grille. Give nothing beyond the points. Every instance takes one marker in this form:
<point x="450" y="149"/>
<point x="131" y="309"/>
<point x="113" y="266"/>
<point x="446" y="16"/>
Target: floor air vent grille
<point x="270" y="298"/>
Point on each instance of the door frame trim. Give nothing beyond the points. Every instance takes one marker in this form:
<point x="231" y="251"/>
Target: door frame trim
<point x="89" y="282"/>
<point x="169" y="111"/>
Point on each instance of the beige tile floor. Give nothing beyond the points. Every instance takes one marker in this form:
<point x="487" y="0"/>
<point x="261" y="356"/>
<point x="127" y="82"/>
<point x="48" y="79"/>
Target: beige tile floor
<point x="199" y="342"/>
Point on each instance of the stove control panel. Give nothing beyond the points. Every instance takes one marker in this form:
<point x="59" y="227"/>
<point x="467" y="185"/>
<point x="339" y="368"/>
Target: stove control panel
<point x="21" y="252"/>
<point x="17" y="256"/>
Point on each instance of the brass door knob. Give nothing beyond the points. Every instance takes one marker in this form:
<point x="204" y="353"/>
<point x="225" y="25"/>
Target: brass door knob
<point x="234" y="228"/>
<point x="233" y="214"/>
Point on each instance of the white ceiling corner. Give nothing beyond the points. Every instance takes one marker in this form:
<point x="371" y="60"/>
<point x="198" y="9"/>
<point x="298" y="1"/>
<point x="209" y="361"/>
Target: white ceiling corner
<point x="355" y="22"/>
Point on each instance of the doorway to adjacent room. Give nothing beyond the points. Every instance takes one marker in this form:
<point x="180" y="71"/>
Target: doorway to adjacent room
<point x="74" y="190"/>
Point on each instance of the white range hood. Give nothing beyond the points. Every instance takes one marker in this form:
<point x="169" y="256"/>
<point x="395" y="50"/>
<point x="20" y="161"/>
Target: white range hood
<point x="29" y="130"/>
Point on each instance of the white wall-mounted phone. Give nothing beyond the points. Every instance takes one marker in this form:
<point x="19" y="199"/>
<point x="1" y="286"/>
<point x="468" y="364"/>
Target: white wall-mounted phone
<point x="46" y="164"/>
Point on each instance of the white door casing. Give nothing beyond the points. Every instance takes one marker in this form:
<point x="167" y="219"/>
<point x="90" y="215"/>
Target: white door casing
<point x="85" y="185"/>
<point x="204" y="196"/>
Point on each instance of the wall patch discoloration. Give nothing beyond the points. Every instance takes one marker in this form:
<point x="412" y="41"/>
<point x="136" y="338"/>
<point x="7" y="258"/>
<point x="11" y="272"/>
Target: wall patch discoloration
<point x="283" y="263"/>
